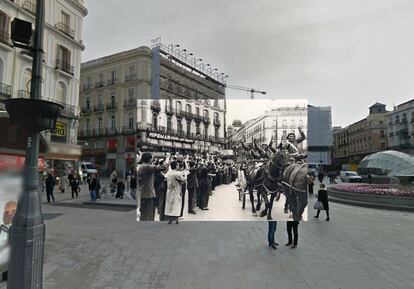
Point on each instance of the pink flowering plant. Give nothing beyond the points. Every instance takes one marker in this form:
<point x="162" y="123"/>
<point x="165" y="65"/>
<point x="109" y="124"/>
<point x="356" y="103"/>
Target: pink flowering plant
<point x="376" y="189"/>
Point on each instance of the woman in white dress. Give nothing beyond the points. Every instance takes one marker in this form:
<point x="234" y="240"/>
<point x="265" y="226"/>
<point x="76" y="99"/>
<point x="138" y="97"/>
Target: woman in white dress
<point x="173" y="200"/>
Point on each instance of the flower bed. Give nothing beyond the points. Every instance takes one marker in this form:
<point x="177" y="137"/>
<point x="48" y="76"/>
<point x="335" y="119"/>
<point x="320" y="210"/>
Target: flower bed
<point x="375" y="189"/>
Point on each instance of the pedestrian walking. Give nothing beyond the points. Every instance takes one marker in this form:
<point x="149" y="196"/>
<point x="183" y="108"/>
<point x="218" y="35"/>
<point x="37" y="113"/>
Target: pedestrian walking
<point x="93" y="187"/>
<point x="145" y="175"/>
<point x="173" y="202"/>
<point x="321" y="175"/>
<point x="120" y="190"/>
<point x="311" y="183"/>
<point x="114" y="182"/>
<point x="271" y="234"/>
<point x="181" y="168"/>
<point x="292" y="226"/>
<point x="323" y="198"/>
<point x="74" y="185"/>
<point x="50" y="186"/>
<point x="133" y="186"/>
<point x="192" y="185"/>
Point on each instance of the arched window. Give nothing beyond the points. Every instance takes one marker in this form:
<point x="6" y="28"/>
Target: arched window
<point x="169" y="124"/>
<point x="179" y="106"/>
<point x="155" y="121"/>
<point x="60" y="92"/>
<point x="198" y="128"/>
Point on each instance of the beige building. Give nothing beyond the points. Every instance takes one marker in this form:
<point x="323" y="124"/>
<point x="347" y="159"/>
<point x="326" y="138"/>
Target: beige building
<point x="362" y="138"/>
<point x="400" y="128"/>
<point x="61" y="69"/>
<point x="149" y="99"/>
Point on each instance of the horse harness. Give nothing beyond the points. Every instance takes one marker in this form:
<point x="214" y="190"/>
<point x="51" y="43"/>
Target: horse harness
<point x="291" y="187"/>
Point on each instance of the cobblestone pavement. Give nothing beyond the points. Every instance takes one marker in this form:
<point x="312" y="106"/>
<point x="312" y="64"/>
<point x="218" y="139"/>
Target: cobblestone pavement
<point x="358" y="248"/>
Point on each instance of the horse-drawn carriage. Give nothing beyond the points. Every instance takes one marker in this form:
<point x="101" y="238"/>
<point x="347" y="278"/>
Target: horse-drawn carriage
<point x="273" y="177"/>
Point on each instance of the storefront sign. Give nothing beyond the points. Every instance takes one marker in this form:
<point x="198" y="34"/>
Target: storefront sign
<point x="14" y="162"/>
<point x="169" y="137"/>
<point x="60" y="129"/>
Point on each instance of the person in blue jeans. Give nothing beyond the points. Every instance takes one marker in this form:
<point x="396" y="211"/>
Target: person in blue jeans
<point x="271" y="235"/>
<point x="93" y="188"/>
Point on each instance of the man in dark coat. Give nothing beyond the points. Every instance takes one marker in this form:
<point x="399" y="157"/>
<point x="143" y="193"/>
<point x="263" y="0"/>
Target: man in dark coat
<point x="323" y="198"/>
<point x="50" y="185"/>
<point x="146" y="188"/>
<point x="203" y="175"/>
<point x="74" y="185"/>
<point x="192" y="185"/>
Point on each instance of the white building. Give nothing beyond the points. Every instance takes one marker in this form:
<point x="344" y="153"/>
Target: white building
<point x="320" y="138"/>
<point x="400" y="128"/>
<point x="282" y="118"/>
<point x="61" y="70"/>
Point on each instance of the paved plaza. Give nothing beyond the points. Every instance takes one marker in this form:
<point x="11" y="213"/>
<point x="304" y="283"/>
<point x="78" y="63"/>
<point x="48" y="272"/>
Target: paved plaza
<point x="106" y="248"/>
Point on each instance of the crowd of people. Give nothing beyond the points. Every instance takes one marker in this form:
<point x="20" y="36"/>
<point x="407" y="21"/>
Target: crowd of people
<point x="162" y="184"/>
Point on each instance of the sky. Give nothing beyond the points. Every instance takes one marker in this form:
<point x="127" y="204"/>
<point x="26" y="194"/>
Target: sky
<point x="347" y="54"/>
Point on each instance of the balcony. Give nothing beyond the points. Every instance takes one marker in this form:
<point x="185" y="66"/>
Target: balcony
<point x="99" y="84"/>
<point x="85" y="133"/>
<point x="68" y="109"/>
<point x="66" y="29"/>
<point x="132" y="102"/>
<point x="156" y="106"/>
<point x="130" y="77"/>
<point x="23" y="93"/>
<point x="87" y="86"/>
<point x="99" y="132"/>
<point x="99" y="108"/>
<point x="64" y="66"/>
<point x="111" y="106"/>
<point x="111" y="131"/>
<point x="217" y="122"/>
<point x="169" y="110"/>
<point x="29" y="6"/>
<point x="127" y="130"/>
<point x="86" y="110"/>
<point x="5" y="90"/>
<point x="4" y="37"/>
<point x="112" y="81"/>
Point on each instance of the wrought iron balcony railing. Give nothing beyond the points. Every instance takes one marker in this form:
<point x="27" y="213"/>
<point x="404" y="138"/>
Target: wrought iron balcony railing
<point x="99" y="84"/>
<point x="131" y="102"/>
<point x="99" y="107"/>
<point x="5" y="89"/>
<point x="66" y="29"/>
<point x="111" y="106"/>
<point x="112" y="81"/>
<point x="130" y="77"/>
<point x="64" y="66"/>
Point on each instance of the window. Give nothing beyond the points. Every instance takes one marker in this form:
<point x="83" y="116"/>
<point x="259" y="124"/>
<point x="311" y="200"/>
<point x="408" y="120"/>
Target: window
<point x="130" y="121"/>
<point x="4" y="27"/>
<point x="169" y="124"/>
<point x="100" y="101"/>
<point x="61" y="92"/>
<point x="113" y="99"/>
<point x="99" y="144"/>
<point x="64" y="54"/>
<point x="88" y="103"/>
<point x="216" y="133"/>
<point x="99" y="124"/>
<point x="188" y="128"/>
<point x="155" y="121"/>
<point x="65" y="18"/>
<point x="113" y="76"/>
<point x="180" y="126"/>
<point x="88" y="124"/>
<point x="188" y="108"/>
<point x="179" y="106"/>
<point x="205" y="113"/>
<point x="197" y="111"/>
<point x="131" y="93"/>
<point x="216" y="103"/>
<point x="205" y="131"/>
<point x="131" y="70"/>
<point x="112" y="123"/>
<point x="198" y="128"/>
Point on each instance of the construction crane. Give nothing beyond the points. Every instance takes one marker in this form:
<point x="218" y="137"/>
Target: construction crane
<point x="252" y="91"/>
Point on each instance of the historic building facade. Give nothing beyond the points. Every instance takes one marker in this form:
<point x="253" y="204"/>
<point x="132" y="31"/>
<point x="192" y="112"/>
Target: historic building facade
<point x="400" y="128"/>
<point x="151" y="100"/>
<point x="362" y="138"/>
<point x="61" y="70"/>
<point x="282" y="118"/>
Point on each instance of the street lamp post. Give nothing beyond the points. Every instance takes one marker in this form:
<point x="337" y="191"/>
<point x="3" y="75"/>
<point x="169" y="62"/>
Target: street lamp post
<point x="27" y="234"/>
